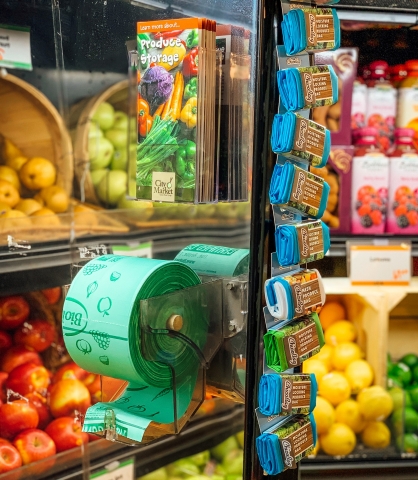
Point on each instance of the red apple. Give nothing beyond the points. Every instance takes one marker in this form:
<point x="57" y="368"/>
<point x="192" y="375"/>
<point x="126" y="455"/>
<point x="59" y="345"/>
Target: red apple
<point x="40" y="403"/>
<point x="13" y="312"/>
<point x="70" y="371"/>
<point x="52" y="295"/>
<point x="18" y="355"/>
<point x="68" y="396"/>
<point x="33" y="445"/>
<point x="3" y="378"/>
<point x="66" y="433"/>
<point x="9" y="457"/>
<point x="17" y="416"/>
<point x="28" y="378"/>
<point x="5" y="341"/>
<point x="37" y="334"/>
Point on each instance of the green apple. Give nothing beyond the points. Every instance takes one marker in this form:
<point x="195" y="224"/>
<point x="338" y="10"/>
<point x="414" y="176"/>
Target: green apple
<point x="200" y="459"/>
<point x="199" y="477"/>
<point x="97" y="175"/>
<point x="233" y="462"/>
<point x="240" y="438"/>
<point x="104" y="116"/>
<point x="166" y="211"/>
<point x="100" y="153"/>
<point x="183" y="468"/>
<point x="219" y="470"/>
<point x="112" y="186"/>
<point x="159" y="474"/>
<point x="119" y="160"/>
<point x="217" y="477"/>
<point x="119" y="138"/>
<point x="121" y="121"/>
<point x="205" y="210"/>
<point x="221" y="450"/>
<point x="142" y="210"/>
<point x="185" y="211"/>
<point x="94" y="131"/>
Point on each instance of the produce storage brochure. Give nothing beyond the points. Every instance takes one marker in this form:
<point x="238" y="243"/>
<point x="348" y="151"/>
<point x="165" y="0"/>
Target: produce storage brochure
<point x="177" y="154"/>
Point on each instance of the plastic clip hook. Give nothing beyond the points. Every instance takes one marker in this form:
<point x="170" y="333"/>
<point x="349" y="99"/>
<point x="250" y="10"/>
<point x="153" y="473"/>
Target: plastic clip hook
<point x="110" y="425"/>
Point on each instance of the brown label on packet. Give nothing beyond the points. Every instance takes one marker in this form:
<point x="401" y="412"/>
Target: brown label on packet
<point x="300" y="343"/>
<point x="306" y="189"/>
<point x="308" y="139"/>
<point x="310" y="241"/>
<point x="295" y="394"/>
<point x="294" y="445"/>
<point x="316" y="86"/>
<point x="319" y="28"/>
<point x="305" y="296"/>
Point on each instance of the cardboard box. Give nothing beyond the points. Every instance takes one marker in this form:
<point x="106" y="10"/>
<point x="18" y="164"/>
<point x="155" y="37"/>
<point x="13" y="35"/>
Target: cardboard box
<point x="337" y="117"/>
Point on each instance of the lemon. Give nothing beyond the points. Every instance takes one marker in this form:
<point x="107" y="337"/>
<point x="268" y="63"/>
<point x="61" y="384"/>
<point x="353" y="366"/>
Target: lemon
<point x="359" y="375"/>
<point x="339" y="332"/>
<point x="334" y="387"/>
<point x="376" y="435"/>
<point x="325" y="355"/>
<point x="324" y="415"/>
<point x="375" y="403"/>
<point x="339" y="440"/>
<point x="345" y="353"/>
<point x="331" y="312"/>
<point x="317" y="367"/>
<point x="348" y="412"/>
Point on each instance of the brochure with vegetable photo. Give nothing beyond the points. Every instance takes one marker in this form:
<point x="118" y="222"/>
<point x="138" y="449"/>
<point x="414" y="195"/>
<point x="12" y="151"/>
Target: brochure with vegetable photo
<point x="176" y="155"/>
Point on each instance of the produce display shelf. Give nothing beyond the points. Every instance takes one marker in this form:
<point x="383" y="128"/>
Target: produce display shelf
<point x="201" y="434"/>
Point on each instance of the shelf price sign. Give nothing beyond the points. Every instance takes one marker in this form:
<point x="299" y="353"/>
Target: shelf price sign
<point x="380" y="263"/>
<point x="15" y="47"/>
<point x="124" y="470"/>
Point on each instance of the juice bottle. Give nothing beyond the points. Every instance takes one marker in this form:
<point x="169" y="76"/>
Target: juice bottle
<point x="370" y="181"/>
<point x="403" y="188"/>
<point x="381" y="102"/>
<point x="408" y="98"/>
<point x="398" y="73"/>
<point x="358" y="104"/>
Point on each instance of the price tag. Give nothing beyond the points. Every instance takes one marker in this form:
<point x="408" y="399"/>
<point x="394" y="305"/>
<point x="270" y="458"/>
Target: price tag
<point x="124" y="470"/>
<point x="15" y="47"/>
<point x="388" y="264"/>
<point x="143" y="250"/>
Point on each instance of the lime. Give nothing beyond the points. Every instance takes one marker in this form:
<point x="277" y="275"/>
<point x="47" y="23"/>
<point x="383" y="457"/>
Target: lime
<point x="413" y="395"/>
<point x="398" y="396"/>
<point x="415" y="373"/>
<point x="411" y="420"/>
<point x="401" y="372"/>
<point x="410" y="359"/>
<point x="410" y="443"/>
<point x="394" y="382"/>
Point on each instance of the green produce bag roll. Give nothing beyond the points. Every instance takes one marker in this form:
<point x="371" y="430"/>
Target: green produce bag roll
<point x="102" y="332"/>
<point x="214" y="260"/>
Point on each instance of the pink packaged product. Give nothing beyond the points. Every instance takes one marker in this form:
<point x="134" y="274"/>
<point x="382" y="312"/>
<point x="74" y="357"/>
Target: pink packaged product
<point x="337" y="117"/>
<point x="370" y="182"/>
<point x="403" y="188"/>
<point x="359" y="104"/>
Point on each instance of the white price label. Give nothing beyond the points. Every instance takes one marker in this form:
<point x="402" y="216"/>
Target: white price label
<point x="380" y="264"/>
<point x="116" y="471"/>
<point x="15" y="47"/>
<point x="143" y="250"/>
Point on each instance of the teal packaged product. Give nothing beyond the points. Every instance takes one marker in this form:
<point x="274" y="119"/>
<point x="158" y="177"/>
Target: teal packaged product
<point x="284" y="447"/>
<point x="299" y="138"/>
<point x="298" y="190"/>
<point x="301" y="242"/>
<point x="287" y="394"/>
<point x="311" y="29"/>
<point x="307" y="87"/>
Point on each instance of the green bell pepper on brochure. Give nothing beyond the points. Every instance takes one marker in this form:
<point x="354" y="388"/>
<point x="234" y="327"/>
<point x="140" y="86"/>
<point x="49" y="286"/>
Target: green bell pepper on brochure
<point x="190" y="89"/>
<point x="192" y="39"/>
<point x="185" y="161"/>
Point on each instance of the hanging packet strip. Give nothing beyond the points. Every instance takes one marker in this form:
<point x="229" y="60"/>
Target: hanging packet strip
<point x="301" y="243"/>
<point x="287" y="394"/>
<point x="311" y="29"/>
<point x="297" y="137"/>
<point x="307" y="87"/>
<point x="287" y="445"/>
<point x="290" y="346"/>
<point x="101" y="322"/>
<point x="295" y="294"/>
<point x="298" y="190"/>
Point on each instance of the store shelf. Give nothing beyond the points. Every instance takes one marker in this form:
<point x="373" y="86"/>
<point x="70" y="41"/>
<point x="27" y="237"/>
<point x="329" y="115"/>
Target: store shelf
<point x="199" y="435"/>
<point x="338" y="246"/>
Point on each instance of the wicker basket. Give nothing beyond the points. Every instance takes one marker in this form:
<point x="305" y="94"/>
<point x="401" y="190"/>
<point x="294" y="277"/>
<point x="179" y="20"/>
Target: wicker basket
<point x="80" y="118"/>
<point x="34" y="125"/>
